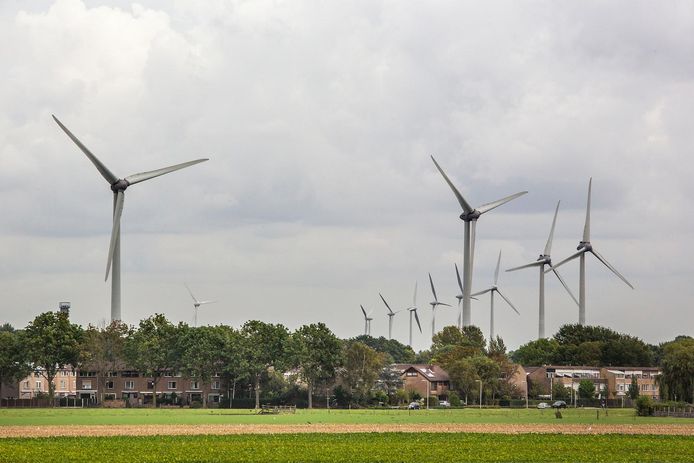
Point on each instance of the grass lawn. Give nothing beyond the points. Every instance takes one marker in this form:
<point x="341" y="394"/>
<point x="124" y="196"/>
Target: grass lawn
<point x="95" y="416"/>
<point x="372" y="447"/>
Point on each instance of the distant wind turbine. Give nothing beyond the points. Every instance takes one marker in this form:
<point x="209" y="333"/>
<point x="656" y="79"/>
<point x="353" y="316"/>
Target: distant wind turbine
<point x="541" y="261"/>
<point x="196" y="305"/>
<point x="390" y="314"/>
<point x="434" y="304"/>
<point x="118" y="186"/>
<point x="585" y="246"/>
<point x="367" y="321"/>
<point x="413" y="311"/>
<point x="470" y="216"/>
<point x="495" y="289"/>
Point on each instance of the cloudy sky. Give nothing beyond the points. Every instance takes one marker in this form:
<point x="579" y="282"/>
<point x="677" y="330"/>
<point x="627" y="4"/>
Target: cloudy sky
<point x="319" y="119"/>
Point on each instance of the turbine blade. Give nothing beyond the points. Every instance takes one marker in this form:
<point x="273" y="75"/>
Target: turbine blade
<point x="416" y="318"/>
<point x="508" y="302"/>
<point x="548" y="246"/>
<point x="571" y="257"/>
<point x="586" y="227"/>
<point x="115" y="231"/>
<point x="103" y="170"/>
<point x="566" y="287"/>
<point x="142" y="176"/>
<point x="496" y="272"/>
<point x="444" y="304"/>
<point x="608" y="265"/>
<point x="464" y="204"/>
<point x="457" y="275"/>
<point x="432" y="288"/>
<point x="207" y="302"/>
<point x="531" y="264"/>
<point x="191" y="294"/>
<point x="499" y="202"/>
<point x="384" y="301"/>
<point x="364" y="312"/>
<point x="481" y="292"/>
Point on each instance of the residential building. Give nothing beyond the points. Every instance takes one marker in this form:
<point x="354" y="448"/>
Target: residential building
<point x="35" y="384"/>
<point x="425" y="379"/>
<point x="619" y="380"/>
<point x="545" y="377"/>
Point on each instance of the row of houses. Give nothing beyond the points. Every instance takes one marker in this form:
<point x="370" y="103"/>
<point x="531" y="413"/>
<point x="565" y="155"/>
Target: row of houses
<point x="432" y="380"/>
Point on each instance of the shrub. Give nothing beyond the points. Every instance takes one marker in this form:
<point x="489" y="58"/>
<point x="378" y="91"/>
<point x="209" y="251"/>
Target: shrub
<point x="454" y="399"/>
<point x="644" y="406"/>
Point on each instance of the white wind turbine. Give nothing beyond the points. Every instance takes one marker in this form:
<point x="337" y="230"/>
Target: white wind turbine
<point x="494" y="289"/>
<point x="390" y="314"/>
<point x="460" y="298"/>
<point x="541" y="261"/>
<point x="118" y="186"/>
<point x="367" y="321"/>
<point x="470" y="216"/>
<point x="585" y="246"/>
<point x="413" y="311"/>
<point x="196" y="305"/>
<point x="434" y="304"/>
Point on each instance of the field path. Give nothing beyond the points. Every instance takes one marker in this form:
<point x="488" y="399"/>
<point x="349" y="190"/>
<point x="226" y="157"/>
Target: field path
<point x="177" y="430"/>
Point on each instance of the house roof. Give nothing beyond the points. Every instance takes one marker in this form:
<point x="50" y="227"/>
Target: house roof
<point x="430" y="372"/>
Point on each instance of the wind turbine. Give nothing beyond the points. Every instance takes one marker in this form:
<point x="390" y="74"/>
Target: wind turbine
<point x="390" y="314"/>
<point x="460" y="298"/>
<point x="541" y="261"/>
<point x="585" y="246"/>
<point x="435" y="303"/>
<point x="367" y="322"/>
<point x="494" y="289"/>
<point x="196" y="305"/>
<point x="470" y="216"/>
<point x="413" y="311"/>
<point x="118" y="186"/>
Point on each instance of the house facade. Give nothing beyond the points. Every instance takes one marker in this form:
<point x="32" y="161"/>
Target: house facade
<point x="619" y="380"/>
<point x="424" y="379"/>
<point x="35" y="384"/>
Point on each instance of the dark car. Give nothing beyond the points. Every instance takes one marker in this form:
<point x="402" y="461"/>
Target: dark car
<point x="559" y="404"/>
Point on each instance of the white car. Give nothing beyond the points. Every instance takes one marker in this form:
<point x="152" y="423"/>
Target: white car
<point x="543" y="405"/>
<point x="444" y="403"/>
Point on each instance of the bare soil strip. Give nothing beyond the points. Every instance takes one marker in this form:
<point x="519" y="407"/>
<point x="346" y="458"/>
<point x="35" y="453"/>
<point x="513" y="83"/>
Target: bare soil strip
<point x="190" y="430"/>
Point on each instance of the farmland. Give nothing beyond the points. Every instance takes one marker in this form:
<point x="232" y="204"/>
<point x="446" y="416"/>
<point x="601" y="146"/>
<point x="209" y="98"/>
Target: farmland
<point x="365" y="447"/>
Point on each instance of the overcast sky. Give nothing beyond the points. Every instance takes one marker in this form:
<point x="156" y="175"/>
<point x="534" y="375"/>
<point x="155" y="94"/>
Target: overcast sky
<point x="319" y="119"/>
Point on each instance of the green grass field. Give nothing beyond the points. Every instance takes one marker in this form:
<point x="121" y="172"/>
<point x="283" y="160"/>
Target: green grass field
<point x="63" y="416"/>
<point x="386" y="447"/>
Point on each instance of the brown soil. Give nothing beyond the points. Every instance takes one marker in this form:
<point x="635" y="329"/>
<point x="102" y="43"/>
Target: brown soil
<point x="177" y="430"/>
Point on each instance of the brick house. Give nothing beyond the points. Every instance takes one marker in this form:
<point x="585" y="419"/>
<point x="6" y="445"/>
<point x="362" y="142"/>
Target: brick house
<point x="424" y="378"/>
<point x="619" y="379"/>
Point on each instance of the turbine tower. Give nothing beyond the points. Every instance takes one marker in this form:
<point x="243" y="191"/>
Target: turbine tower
<point x="460" y="298"/>
<point x="435" y="303"/>
<point x="541" y="261"/>
<point x="413" y="311"/>
<point x="196" y="305"/>
<point x="494" y="289"/>
<point x="470" y="216"/>
<point x="367" y="322"/>
<point x="585" y="246"/>
<point x="390" y="314"/>
<point x="118" y="186"/>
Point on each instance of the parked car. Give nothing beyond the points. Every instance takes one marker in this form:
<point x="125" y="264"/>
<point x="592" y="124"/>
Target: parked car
<point x="543" y="405"/>
<point x="444" y="403"/>
<point x="413" y="406"/>
<point x="559" y="404"/>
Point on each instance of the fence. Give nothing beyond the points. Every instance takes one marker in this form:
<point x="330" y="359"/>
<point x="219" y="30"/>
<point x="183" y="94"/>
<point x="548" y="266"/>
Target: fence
<point x="681" y="411"/>
<point x="44" y="402"/>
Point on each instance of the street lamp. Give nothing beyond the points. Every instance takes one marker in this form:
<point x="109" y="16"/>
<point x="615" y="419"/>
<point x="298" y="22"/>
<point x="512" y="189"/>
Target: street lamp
<point x="428" y="391"/>
<point x="480" y="381"/>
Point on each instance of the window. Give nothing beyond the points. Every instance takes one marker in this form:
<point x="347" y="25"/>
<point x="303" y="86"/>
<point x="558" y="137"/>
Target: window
<point x="109" y="385"/>
<point x="26" y="384"/>
<point x="130" y="384"/>
<point x="193" y="385"/>
<point x="215" y="385"/>
<point x="38" y="385"/>
<point x="645" y="387"/>
<point x="87" y="373"/>
<point x="172" y="385"/>
<point x="62" y="384"/>
<point x="150" y="384"/>
<point x="112" y="374"/>
<point x="110" y="396"/>
<point x="130" y="374"/>
<point x="411" y="373"/>
<point x="86" y="384"/>
<point x="214" y="398"/>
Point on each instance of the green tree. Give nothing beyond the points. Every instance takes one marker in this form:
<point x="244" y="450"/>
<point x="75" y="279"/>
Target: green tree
<point x="586" y="389"/>
<point x="153" y="349"/>
<point x="399" y="352"/>
<point x="103" y="349"/>
<point x="317" y="352"/>
<point x="362" y="368"/>
<point x="51" y="342"/>
<point x="634" y="388"/>
<point x="677" y="365"/>
<point x="560" y="392"/>
<point x="201" y="349"/>
<point x="234" y="361"/>
<point x="536" y="353"/>
<point x="451" y="344"/>
<point x="13" y="362"/>
<point x="264" y="347"/>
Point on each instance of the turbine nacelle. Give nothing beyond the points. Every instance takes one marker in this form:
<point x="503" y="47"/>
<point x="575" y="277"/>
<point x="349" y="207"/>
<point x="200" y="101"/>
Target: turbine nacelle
<point x="120" y="185"/>
<point x="585" y="246"/>
<point x="470" y="216"/>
